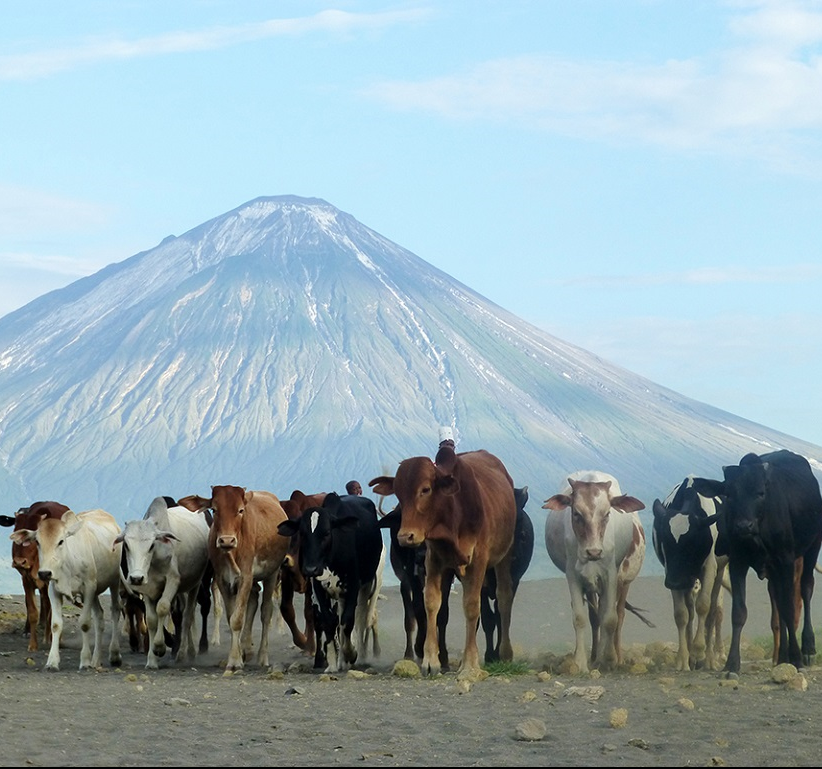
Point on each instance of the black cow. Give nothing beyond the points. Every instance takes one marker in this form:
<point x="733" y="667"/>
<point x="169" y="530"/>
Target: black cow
<point x="408" y="564"/>
<point x="684" y="536"/>
<point x="772" y="516"/>
<point x="340" y="552"/>
<point x="523" y="548"/>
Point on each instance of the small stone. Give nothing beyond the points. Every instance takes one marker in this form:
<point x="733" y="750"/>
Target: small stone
<point x="685" y="704"/>
<point x="618" y="718"/>
<point x="531" y="730"/>
<point x="783" y="673"/>
<point x="406" y="669"/>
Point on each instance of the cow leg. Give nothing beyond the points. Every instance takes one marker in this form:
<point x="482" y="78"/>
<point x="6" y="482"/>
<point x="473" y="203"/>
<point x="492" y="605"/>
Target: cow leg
<point x="235" y="607"/>
<point x="217" y="605"/>
<point x="266" y="614"/>
<point x="32" y="615"/>
<point x="806" y="589"/>
<point x="471" y="589"/>
<point x="187" y="650"/>
<point x="45" y="614"/>
<point x="53" y="661"/>
<point x="779" y="643"/>
<point x="204" y="602"/>
<point x="784" y="584"/>
<point x="114" y="656"/>
<point x="714" y="646"/>
<point x="251" y="605"/>
<point x="154" y="628"/>
<point x="621" y="600"/>
<point x="442" y="618"/>
<point x="739" y="613"/>
<point x="432" y="596"/>
<point x="504" y="609"/>
<point x="682" y="619"/>
<point x="578" y="609"/>
<point x="702" y="606"/>
<point x="607" y="656"/>
<point x="409" y="621"/>
<point x="288" y="613"/>
<point x="489" y="616"/>
<point x="345" y="628"/>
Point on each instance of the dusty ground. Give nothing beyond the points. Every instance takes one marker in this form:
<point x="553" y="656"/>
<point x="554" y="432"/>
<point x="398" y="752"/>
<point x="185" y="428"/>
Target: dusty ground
<point x="290" y="716"/>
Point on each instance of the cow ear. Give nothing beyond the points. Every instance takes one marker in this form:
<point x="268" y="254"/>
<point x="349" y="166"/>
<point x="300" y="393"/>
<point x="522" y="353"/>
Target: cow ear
<point x="384" y="485"/>
<point x="166" y="536"/>
<point x="557" y="502"/>
<point x="627" y="504"/>
<point x="331" y="501"/>
<point x="447" y="484"/>
<point x="660" y="511"/>
<point x="21" y="536"/>
<point x="6" y="520"/>
<point x="195" y="503"/>
<point x="707" y="487"/>
<point x="446" y="460"/>
<point x="288" y="528"/>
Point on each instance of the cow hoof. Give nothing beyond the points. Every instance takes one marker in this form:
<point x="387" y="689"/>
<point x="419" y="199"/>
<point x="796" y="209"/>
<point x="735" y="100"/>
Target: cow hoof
<point x="160" y="650"/>
<point x="116" y="661"/>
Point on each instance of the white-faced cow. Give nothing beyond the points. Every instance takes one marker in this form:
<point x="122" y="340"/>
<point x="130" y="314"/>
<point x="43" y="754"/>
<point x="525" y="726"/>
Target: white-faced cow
<point x="25" y="559"/>
<point x="340" y="552"/>
<point x="684" y="537"/>
<point x="462" y="507"/>
<point x="593" y="534"/>
<point x="79" y="563"/>
<point x="772" y="517"/>
<point x="166" y="554"/>
<point x="245" y="549"/>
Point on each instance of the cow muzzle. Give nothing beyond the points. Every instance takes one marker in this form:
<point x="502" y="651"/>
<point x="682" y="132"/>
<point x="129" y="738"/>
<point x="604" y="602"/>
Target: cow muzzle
<point x="227" y="542"/>
<point x="593" y="554"/>
<point x="44" y="575"/>
<point x="410" y="538"/>
<point x="136" y="579"/>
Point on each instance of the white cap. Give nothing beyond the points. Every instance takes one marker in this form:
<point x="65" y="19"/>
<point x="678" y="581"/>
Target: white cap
<point x="446" y="433"/>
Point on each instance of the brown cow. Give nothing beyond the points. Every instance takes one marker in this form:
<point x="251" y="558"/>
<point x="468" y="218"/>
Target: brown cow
<point x="245" y="549"/>
<point x="26" y="560"/>
<point x="462" y="507"/>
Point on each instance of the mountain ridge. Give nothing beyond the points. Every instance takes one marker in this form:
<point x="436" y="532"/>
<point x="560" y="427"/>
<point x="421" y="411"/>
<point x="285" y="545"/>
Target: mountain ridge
<point x="286" y="345"/>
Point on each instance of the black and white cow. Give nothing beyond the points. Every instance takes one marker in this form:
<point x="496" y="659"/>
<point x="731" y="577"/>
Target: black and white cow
<point x="684" y="535"/>
<point x="772" y="517"/>
<point x="340" y="551"/>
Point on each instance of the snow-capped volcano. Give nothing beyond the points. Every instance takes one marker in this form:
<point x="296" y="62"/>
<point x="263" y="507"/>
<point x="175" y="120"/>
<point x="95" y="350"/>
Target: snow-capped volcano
<point x="285" y="345"/>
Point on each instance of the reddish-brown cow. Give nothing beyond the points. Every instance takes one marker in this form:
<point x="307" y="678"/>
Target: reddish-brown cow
<point x="26" y="560"/>
<point x="462" y="506"/>
<point x="245" y="548"/>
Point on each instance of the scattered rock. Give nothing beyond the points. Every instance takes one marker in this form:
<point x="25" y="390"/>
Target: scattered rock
<point x="685" y="704"/>
<point x="531" y="730"/>
<point x="783" y="673"/>
<point x="406" y="669"/>
<point x="618" y="718"/>
<point x="177" y="701"/>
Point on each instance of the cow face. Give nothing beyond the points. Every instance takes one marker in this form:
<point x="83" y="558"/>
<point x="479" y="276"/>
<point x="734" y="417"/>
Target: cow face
<point x="143" y="543"/>
<point x="591" y="504"/>
<point x="228" y="504"/>
<point x="50" y="538"/>
<point x="745" y="490"/>
<point x="423" y="490"/>
<point x="682" y="541"/>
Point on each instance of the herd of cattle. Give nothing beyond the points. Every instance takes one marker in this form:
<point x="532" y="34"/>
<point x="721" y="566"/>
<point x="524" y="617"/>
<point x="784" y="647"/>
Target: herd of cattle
<point x="457" y="516"/>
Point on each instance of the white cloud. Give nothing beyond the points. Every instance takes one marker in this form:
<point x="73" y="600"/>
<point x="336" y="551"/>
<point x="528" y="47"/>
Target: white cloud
<point x="757" y="97"/>
<point x="44" y="63"/>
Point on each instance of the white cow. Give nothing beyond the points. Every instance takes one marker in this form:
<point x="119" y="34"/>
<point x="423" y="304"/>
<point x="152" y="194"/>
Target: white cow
<point x="593" y="534"/>
<point x="79" y="563"/>
<point x="166" y="554"/>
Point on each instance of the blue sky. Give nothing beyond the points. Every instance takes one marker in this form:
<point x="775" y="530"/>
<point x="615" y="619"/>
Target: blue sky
<point x="642" y="178"/>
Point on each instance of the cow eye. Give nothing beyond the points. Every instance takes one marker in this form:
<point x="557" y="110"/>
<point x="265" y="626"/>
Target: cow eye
<point x="425" y="490"/>
<point x="576" y="516"/>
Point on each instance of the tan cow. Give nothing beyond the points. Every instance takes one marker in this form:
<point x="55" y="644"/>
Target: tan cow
<point x="462" y="507"/>
<point x="593" y="534"/>
<point x="245" y="549"/>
